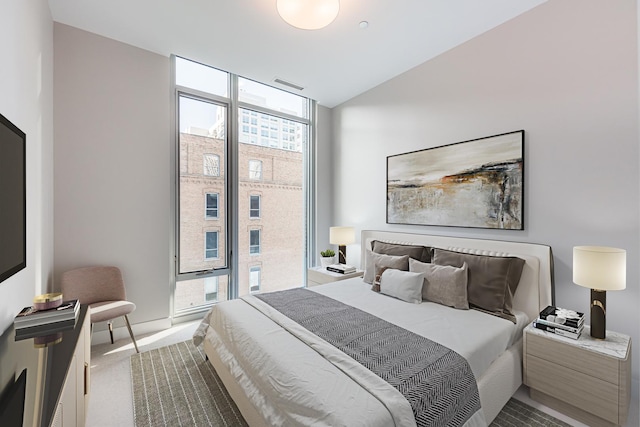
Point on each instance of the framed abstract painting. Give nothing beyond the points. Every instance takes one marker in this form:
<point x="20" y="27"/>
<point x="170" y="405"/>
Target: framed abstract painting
<point x="477" y="183"/>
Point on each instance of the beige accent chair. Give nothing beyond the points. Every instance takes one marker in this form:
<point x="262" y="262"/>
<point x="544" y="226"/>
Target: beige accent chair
<point x="102" y="288"/>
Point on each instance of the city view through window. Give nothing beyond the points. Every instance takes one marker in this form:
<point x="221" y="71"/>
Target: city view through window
<point x="273" y="136"/>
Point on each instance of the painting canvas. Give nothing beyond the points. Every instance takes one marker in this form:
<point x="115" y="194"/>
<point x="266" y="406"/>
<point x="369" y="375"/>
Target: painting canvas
<point x="478" y="183"/>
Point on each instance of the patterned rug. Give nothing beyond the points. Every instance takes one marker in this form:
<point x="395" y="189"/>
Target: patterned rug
<point x="176" y="386"/>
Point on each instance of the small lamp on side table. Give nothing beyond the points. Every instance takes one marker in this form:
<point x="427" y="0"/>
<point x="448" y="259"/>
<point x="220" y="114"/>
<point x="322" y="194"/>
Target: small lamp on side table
<point x="342" y="236"/>
<point x="601" y="269"/>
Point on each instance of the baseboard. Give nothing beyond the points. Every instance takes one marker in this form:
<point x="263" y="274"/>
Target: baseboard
<point x="121" y="332"/>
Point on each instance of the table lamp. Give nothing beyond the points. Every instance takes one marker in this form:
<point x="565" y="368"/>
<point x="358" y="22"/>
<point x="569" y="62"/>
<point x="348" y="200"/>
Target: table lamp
<point x="601" y="269"/>
<point x="342" y="236"/>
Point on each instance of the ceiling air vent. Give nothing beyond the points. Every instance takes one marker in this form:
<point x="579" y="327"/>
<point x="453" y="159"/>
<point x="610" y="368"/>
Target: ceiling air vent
<point x="288" y="84"/>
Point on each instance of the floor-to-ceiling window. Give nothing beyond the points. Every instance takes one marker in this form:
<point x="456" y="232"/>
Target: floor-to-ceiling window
<point x="242" y="165"/>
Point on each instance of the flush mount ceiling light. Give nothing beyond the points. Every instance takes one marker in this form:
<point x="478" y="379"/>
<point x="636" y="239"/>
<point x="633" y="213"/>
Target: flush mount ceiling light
<point x="308" y="14"/>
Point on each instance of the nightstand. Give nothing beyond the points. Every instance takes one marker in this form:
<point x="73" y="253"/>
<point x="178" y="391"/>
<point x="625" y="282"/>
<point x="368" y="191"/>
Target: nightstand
<point x="586" y="379"/>
<point x="320" y="276"/>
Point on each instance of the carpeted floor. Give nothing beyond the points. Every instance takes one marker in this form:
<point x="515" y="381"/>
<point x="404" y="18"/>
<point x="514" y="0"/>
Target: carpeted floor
<point x="176" y="386"/>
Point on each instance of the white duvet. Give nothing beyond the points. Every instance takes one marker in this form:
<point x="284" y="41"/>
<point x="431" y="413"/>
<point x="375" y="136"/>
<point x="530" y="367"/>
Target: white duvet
<point x="302" y="380"/>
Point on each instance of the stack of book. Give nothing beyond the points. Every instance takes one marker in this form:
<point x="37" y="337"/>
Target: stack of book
<point x="31" y="322"/>
<point x="341" y="268"/>
<point x="560" y="321"/>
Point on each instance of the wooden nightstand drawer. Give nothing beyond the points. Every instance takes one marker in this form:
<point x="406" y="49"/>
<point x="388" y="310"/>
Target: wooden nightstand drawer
<point x="575" y="388"/>
<point x="587" y="379"/>
<point x="575" y="358"/>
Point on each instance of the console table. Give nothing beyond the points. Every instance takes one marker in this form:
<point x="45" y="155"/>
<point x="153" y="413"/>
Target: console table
<point x="56" y="392"/>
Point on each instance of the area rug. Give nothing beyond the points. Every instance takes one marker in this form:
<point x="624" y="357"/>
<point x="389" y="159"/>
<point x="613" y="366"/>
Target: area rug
<point x="176" y="386"/>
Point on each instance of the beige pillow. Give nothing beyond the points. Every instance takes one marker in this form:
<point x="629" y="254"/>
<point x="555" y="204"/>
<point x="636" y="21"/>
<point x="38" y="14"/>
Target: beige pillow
<point x="444" y="284"/>
<point x="371" y="258"/>
<point x="403" y="285"/>
<point x="492" y="280"/>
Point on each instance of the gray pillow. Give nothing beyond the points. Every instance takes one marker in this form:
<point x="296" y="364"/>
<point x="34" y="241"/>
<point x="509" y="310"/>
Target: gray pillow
<point x="421" y="253"/>
<point x="372" y="258"/>
<point x="444" y="284"/>
<point x="403" y="285"/>
<point x="492" y="280"/>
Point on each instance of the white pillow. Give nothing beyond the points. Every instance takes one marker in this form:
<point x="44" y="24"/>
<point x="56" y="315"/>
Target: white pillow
<point x="391" y="261"/>
<point x="403" y="285"/>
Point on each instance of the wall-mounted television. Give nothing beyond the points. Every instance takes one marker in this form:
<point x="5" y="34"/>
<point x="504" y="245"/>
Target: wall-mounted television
<point x="13" y="199"/>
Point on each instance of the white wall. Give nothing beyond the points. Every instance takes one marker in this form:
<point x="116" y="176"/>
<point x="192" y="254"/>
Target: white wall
<point x="112" y="166"/>
<point x="26" y="99"/>
<point x="567" y="73"/>
<point x="324" y="182"/>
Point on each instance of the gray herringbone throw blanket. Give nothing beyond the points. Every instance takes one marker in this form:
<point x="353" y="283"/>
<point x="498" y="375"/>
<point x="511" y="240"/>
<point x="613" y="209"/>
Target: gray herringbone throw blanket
<point x="436" y="381"/>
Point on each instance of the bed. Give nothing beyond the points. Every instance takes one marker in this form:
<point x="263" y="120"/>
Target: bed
<point x="279" y="373"/>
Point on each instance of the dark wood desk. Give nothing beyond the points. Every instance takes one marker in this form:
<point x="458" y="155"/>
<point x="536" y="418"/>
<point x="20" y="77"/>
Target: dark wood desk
<point x="57" y="374"/>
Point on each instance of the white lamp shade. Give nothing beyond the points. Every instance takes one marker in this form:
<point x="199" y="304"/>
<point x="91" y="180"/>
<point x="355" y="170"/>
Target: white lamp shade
<point x="600" y="267"/>
<point x="308" y="14"/>
<point x="341" y="235"/>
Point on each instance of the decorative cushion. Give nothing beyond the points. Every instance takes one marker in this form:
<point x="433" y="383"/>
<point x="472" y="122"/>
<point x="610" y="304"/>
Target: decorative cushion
<point x="492" y="280"/>
<point x="444" y="284"/>
<point x="421" y="253"/>
<point x="403" y="285"/>
<point x="371" y="258"/>
<point x="379" y="269"/>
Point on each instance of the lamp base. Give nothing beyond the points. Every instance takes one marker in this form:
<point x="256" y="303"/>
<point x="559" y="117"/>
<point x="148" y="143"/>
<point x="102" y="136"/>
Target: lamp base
<point x="342" y="254"/>
<point x="598" y="314"/>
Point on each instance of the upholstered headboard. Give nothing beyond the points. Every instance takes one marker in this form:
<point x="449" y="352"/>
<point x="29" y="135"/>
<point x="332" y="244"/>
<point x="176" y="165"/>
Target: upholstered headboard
<point x="535" y="290"/>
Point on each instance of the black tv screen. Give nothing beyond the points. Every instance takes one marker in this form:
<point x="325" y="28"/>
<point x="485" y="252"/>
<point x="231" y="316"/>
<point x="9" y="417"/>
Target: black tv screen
<point x="13" y="199"/>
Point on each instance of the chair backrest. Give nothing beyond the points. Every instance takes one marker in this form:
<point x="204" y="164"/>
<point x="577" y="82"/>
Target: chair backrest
<point x="93" y="284"/>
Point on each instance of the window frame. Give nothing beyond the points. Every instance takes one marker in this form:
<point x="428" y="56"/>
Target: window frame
<point x="217" y="292"/>
<point x="216" y="162"/>
<point x="206" y="245"/>
<point x="259" y="170"/>
<point x="252" y="250"/>
<point x="207" y="208"/>
<point x="230" y="206"/>
<point x="255" y="269"/>
<point x="252" y="209"/>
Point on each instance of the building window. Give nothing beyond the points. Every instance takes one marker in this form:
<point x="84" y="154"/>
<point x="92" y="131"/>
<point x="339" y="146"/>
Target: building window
<point x="211" y="165"/>
<point x="254" y="279"/>
<point x="254" y="242"/>
<point x="254" y="206"/>
<point x="211" y="289"/>
<point x="211" y="245"/>
<point x="211" y="208"/>
<point x="255" y="169"/>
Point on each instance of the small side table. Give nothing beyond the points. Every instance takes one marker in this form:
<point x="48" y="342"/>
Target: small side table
<point x="320" y="276"/>
<point x="586" y="379"/>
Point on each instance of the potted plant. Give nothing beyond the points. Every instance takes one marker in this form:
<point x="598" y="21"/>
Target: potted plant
<point x="327" y="257"/>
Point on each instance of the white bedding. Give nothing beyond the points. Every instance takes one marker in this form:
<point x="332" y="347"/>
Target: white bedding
<point x="478" y="337"/>
<point x="293" y="384"/>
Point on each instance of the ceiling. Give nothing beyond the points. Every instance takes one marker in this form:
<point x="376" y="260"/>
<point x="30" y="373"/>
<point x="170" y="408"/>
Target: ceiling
<point x="248" y="38"/>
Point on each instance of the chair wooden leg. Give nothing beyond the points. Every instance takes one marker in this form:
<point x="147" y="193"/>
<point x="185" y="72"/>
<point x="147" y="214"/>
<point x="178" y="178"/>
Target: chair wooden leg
<point x="126" y="319"/>
<point x="111" y="331"/>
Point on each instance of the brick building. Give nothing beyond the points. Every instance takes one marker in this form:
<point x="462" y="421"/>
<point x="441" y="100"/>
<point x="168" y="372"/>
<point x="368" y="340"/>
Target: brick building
<point x="271" y="218"/>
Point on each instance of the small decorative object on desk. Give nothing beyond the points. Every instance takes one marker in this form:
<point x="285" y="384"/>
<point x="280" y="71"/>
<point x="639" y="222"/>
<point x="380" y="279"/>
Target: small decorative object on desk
<point x="47" y="301"/>
<point x="31" y="317"/>
<point x="560" y="321"/>
<point x="341" y="268"/>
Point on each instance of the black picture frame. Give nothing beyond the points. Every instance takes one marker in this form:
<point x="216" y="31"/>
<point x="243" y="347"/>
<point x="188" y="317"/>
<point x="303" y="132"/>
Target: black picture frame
<point x="477" y="183"/>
